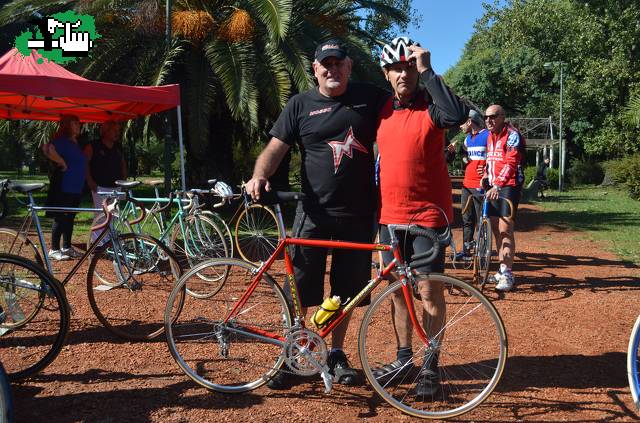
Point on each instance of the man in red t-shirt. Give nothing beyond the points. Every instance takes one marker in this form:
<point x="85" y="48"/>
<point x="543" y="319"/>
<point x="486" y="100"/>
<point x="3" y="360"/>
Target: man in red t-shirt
<point x="415" y="188"/>
<point x="505" y="176"/>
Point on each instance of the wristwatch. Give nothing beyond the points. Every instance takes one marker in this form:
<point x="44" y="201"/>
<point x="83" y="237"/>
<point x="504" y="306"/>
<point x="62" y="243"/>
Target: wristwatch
<point x="497" y="188"/>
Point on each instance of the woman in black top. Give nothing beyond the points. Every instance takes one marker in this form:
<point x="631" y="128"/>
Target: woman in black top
<point x="106" y="162"/>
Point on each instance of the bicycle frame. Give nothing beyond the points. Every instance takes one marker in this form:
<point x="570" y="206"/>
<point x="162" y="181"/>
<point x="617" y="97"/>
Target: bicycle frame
<point x="397" y="264"/>
<point x="32" y="216"/>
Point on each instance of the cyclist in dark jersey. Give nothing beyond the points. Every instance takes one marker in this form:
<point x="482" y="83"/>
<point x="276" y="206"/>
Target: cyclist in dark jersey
<point x="334" y="125"/>
<point x="106" y="163"/>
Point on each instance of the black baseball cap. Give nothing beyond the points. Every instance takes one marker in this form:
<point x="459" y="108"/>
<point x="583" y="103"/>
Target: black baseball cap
<point x="330" y="48"/>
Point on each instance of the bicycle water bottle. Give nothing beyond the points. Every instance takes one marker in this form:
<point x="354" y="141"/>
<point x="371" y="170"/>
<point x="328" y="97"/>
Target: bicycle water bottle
<point x="327" y="310"/>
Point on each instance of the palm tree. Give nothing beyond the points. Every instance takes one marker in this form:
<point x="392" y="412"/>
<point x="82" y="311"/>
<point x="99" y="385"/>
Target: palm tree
<point x="238" y="61"/>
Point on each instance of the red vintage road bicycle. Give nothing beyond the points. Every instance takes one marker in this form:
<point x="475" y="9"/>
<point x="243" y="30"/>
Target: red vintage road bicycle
<point x="238" y="338"/>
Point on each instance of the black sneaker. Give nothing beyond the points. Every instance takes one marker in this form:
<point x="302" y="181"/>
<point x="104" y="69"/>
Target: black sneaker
<point x="341" y="370"/>
<point x="393" y="372"/>
<point x="428" y="384"/>
<point x="282" y="379"/>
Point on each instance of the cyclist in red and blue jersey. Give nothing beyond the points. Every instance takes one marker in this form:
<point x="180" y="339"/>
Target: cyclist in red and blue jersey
<point x="475" y="157"/>
<point x="505" y="176"/>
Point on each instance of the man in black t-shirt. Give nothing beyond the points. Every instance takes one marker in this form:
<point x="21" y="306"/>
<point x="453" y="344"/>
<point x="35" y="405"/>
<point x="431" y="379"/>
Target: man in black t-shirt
<point x="334" y="126"/>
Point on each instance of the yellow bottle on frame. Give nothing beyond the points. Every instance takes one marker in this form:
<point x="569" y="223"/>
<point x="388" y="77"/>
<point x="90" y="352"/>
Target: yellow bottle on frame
<point x="326" y="311"/>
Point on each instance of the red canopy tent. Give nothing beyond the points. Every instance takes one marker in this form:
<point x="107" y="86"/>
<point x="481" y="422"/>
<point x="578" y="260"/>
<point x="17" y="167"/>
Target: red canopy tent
<point x="36" y="89"/>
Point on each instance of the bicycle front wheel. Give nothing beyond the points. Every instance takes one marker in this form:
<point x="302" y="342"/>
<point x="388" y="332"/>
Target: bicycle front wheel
<point x="142" y="273"/>
<point x="482" y="257"/>
<point x="633" y="359"/>
<point x="224" y="228"/>
<point x="199" y="239"/>
<point x="35" y="317"/>
<point x="257" y="233"/>
<point x="222" y="351"/>
<point x="467" y="347"/>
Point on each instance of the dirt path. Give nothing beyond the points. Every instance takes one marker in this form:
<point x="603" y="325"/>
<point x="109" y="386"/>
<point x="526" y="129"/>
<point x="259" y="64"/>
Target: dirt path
<point x="568" y="325"/>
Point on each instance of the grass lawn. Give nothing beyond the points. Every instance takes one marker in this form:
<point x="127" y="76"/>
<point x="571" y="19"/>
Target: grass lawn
<point x="604" y="214"/>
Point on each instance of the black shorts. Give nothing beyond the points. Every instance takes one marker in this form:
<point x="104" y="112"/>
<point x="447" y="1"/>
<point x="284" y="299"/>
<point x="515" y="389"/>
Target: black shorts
<point x="350" y="269"/>
<point x="410" y="245"/>
<point x="500" y="208"/>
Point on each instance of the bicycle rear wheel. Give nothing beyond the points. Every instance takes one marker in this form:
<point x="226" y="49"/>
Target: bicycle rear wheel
<point x="145" y="271"/>
<point x="257" y="233"/>
<point x="219" y="351"/>
<point x="470" y="347"/>
<point x="482" y="257"/>
<point x="633" y="359"/>
<point x="12" y="242"/>
<point x="35" y="317"/>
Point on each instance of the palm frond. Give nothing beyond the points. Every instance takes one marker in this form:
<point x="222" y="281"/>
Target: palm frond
<point x="274" y="14"/>
<point x="631" y="112"/>
<point x="23" y="10"/>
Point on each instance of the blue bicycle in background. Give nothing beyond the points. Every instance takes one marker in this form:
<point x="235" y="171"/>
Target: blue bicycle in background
<point x="633" y="356"/>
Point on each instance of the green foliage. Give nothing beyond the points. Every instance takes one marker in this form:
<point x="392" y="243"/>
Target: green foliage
<point x="631" y="114"/>
<point x="585" y="172"/>
<point x="503" y="63"/>
<point x="626" y="172"/>
<point x="552" y="176"/>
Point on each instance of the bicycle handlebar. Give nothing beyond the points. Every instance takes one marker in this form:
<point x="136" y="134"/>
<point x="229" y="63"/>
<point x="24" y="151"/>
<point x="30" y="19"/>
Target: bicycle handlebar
<point x="168" y="205"/>
<point x="107" y="208"/>
<point x="140" y="205"/>
<point x="428" y="256"/>
<point x="470" y="199"/>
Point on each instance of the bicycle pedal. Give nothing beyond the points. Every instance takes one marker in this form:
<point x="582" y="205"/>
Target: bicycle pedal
<point x="327" y="379"/>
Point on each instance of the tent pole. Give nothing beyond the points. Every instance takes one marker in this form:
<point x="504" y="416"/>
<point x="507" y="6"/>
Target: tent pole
<point x="182" y="175"/>
<point x="167" y="122"/>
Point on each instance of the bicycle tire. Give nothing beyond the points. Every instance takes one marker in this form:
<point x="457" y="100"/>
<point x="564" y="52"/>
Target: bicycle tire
<point x="482" y="256"/>
<point x="17" y="244"/>
<point x="29" y="347"/>
<point x="257" y="233"/>
<point x="471" y="346"/>
<point x="224" y="228"/>
<point x="134" y="308"/>
<point x="6" y="398"/>
<point x="4" y="204"/>
<point x="199" y="338"/>
<point x="633" y="358"/>
<point x="202" y="240"/>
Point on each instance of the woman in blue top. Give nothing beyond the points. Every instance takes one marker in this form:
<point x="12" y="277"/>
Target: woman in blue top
<point x="66" y="184"/>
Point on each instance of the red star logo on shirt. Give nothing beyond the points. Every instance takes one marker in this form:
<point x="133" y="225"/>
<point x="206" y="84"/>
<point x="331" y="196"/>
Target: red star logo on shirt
<point x="345" y="147"/>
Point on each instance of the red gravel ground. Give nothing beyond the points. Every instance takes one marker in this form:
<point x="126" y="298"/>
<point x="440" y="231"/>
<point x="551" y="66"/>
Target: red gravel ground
<point x="568" y="325"/>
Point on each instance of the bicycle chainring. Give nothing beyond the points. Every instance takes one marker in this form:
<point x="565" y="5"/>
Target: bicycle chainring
<point x="305" y="350"/>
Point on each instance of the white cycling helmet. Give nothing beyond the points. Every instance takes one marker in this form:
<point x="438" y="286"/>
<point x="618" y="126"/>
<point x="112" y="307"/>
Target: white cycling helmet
<point x="396" y="51"/>
<point x="223" y="190"/>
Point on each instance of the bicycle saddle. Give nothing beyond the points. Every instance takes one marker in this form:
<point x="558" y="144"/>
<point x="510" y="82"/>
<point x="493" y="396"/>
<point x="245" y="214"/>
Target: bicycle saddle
<point x="155" y="182"/>
<point x="127" y="184"/>
<point x="275" y="197"/>
<point x="26" y="187"/>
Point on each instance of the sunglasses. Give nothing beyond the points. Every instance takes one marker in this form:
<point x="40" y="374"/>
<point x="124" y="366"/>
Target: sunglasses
<point x="491" y="116"/>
